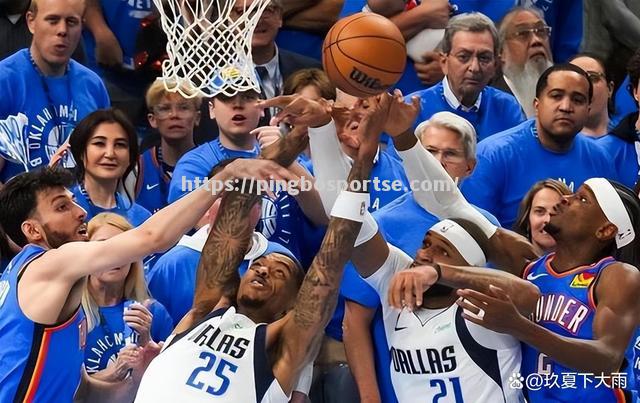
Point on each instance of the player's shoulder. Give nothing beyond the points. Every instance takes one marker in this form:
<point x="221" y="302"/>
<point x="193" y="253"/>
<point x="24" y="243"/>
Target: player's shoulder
<point x="619" y="278"/>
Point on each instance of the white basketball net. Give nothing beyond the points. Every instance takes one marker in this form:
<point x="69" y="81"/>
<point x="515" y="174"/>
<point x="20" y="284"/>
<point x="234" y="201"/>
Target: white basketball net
<point x="209" y="46"/>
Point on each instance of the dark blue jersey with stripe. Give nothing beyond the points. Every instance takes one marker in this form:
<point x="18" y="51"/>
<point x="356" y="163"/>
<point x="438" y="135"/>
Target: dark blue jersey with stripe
<point x="40" y="363"/>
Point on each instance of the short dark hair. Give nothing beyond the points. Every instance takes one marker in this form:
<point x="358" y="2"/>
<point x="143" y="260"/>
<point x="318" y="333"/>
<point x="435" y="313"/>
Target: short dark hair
<point x="19" y="198"/>
<point x="311" y="76"/>
<point x="86" y="127"/>
<point x="633" y="68"/>
<point x="543" y="81"/>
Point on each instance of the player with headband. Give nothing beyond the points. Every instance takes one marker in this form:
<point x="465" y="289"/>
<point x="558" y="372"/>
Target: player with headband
<point x="588" y="308"/>
<point x="434" y="350"/>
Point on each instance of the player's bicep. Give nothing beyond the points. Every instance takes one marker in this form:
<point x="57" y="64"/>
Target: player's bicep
<point x="618" y="307"/>
<point x="370" y="256"/>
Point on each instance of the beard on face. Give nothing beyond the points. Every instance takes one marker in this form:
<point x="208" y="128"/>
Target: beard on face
<point x="56" y="239"/>
<point x="249" y="302"/>
<point x="524" y="80"/>
<point x="551" y="229"/>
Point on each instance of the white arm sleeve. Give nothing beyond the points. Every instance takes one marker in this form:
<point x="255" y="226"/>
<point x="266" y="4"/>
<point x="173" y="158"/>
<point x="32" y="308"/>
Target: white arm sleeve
<point x="445" y="201"/>
<point x="331" y="167"/>
<point x="304" y="379"/>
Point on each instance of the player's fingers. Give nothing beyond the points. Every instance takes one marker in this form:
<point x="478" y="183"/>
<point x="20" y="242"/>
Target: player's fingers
<point x="281" y="101"/>
<point x="418" y="286"/>
<point x="394" y="290"/>
<point x="407" y="294"/>
<point x="467" y="306"/>
<point x="498" y="292"/>
<point x="473" y="319"/>
<point x="476" y="295"/>
<point x="415" y="101"/>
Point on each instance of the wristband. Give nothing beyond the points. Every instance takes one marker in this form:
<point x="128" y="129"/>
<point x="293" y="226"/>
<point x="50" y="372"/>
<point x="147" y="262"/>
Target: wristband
<point x="351" y="206"/>
<point x="368" y="230"/>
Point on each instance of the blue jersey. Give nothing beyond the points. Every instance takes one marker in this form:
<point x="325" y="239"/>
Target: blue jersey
<point x="624" y="155"/>
<point x="123" y="19"/>
<point x="567" y="306"/>
<point x="493" y="103"/>
<point x="152" y="187"/>
<point x="509" y="163"/>
<point x="134" y="213"/>
<point x="40" y="363"/>
<point x="624" y="102"/>
<point x="108" y="337"/>
<point x="52" y="105"/>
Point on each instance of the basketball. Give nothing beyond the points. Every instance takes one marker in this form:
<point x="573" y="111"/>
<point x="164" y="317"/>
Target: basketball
<point x="364" y="54"/>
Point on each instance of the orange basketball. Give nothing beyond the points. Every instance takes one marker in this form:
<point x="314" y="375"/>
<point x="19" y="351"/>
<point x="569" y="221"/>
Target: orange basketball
<point x="364" y="54"/>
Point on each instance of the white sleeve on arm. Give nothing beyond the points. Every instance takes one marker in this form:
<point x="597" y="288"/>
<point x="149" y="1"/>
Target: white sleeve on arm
<point x="330" y="167"/>
<point x="304" y="379"/>
<point x="445" y="201"/>
<point x="330" y="164"/>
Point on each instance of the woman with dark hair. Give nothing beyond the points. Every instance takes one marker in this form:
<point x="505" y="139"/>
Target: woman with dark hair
<point x="105" y="147"/>
<point x="535" y="210"/>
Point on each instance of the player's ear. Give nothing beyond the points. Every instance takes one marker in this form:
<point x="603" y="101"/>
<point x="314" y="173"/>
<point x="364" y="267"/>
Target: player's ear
<point x="607" y="232"/>
<point x="32" y="231"/>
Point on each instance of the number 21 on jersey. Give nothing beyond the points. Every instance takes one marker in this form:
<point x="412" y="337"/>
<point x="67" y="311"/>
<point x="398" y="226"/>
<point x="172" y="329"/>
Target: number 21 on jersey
<point x="443" y="388"/>
<point x="214" y="386"/>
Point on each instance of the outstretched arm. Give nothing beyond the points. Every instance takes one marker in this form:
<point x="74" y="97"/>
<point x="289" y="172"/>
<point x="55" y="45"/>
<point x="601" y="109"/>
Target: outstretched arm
<point x="507" y="250"/>
<point x="302" y="328"/>
<point x="616" y="319"/>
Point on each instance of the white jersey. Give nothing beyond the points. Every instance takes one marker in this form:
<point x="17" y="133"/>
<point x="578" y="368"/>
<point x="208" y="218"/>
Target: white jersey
<point x="221" y="359"/>
<point x="438" y="356"/>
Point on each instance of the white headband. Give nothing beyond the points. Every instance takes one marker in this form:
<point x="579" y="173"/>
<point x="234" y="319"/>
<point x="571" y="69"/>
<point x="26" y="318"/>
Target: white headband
<point x="462" y="241"/>
<point x="611" y="204"/>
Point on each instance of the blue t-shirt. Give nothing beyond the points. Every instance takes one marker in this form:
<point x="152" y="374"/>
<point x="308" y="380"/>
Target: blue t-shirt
<point x="50" y="118"/>
<point x="38" y="363"/>
<point x="624" y="156"/>
<point x="123" y="18"/>
<point x="107" y="338"/>
<point x="498" y="110"/>
<point x="509" y="163"/>
<point x="134" y="213"/>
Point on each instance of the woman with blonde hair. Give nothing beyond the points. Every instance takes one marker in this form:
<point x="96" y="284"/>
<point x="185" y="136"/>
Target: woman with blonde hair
<point x="120" y="316"/>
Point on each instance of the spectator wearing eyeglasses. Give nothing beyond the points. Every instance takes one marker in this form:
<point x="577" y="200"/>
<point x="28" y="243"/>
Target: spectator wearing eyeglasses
<point x="175" y="118"/>
<point x="470" y="48"/>
<point x="524" y="54"/>
<point x="549" y="146"/>
<point x="598" y="121"/>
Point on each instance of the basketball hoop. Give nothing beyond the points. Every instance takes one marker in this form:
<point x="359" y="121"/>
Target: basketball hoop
<point x="209" y="46"/>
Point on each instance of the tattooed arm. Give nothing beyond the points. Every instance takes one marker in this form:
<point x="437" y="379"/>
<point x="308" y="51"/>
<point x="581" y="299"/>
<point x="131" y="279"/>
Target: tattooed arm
<point x="217" y="276"/>
<point x="300" y="330"/>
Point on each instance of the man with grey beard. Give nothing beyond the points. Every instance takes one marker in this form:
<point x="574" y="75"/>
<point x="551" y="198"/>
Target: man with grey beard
<point x="525" y="53"/>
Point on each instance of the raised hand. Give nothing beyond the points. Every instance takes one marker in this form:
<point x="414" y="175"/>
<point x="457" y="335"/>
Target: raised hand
<point x="297" y="110"/>
<point x="59" y="154"/>
<point x="372" y="124"/>
<point x="401" y="115"/>
<point x="267" y="135"/>
<point x="429" y="70"/>
<point x="407" y="286"/>
<point x="139" y="318"/>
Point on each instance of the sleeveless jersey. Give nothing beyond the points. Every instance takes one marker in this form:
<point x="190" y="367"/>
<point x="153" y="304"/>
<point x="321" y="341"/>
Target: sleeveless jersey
<point x="152" y="187"/>
<point x="221" y="359"/>
<point x="438" y="356"/>
<point x="38" y="363"/>
<point x="567" y="306"/>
